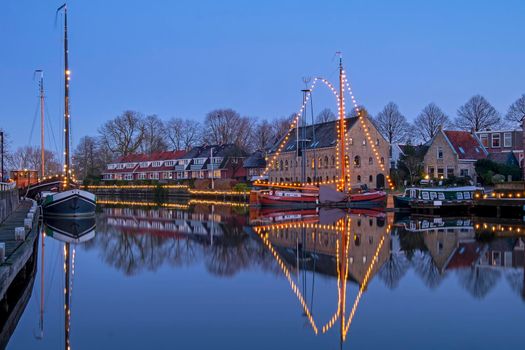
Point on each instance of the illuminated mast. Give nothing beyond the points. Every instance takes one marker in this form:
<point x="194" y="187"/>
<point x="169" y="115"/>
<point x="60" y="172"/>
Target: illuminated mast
<point x="342" y="122"/>
<point x="67" y="73"/>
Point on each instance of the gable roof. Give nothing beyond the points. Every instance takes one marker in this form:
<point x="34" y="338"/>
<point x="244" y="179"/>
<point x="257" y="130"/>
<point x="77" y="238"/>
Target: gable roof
<point x="143" y="157"/>
<point x="255" y="160"/>
<point x="465" y="145"/>
<point x="325" y="135"/>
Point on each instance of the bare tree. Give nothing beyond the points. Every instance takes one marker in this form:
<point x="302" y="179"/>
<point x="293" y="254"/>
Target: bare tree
<point x="226" y="126"/>
<point x="281" y="126"/>
<point x="182" y="134"/>
<point x="29" y="157"/>
<point x="392" y="124"/>
<point x="326" y="115"/>
<point x="263" y="136"/>
<point x="352" y="113"/>
<point x="88" y="158"/>
<point x="154" y="135"/>
<point x="427" y="123"/>
<point x="477" y="114"/>
<point x="124" y="134"/>
<point x="516" y="111"/>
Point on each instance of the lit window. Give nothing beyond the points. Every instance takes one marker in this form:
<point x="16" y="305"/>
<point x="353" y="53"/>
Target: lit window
<point x="495" y="140"/>
<point x="484" y="139"/>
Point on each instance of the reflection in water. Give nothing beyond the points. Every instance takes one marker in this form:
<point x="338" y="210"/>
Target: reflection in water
<point x="343" y="250"/>
<point x="68" y="231"/>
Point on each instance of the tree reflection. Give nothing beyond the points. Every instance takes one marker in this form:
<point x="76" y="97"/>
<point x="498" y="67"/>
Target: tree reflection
<point x="478" y="281"/>
<point x="394" y="269"/>
<point x="427" y="270"/>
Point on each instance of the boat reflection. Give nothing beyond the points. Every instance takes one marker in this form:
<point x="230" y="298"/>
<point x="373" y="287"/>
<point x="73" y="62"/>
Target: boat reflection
<point x="69" y="231"/>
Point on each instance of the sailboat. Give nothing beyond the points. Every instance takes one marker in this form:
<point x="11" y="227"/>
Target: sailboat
<point x="70" y="201"/>
<point x="306" y="195"/>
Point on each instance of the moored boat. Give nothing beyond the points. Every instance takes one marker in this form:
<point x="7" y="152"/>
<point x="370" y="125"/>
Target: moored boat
<point x="437" y="197"/>
<point x="70" y="201"/>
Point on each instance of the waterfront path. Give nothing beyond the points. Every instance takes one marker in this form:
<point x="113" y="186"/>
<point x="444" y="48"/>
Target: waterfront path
<point x="17" y="252"/>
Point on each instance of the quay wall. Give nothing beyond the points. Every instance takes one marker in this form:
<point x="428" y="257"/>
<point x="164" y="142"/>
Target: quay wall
<point x="8" y="202"/>
<point x="167" y="191"/>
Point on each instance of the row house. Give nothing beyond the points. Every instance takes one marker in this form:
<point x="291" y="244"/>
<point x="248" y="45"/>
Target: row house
<point x="202" y="162"/>
<point x="155" y="166"/>
<point x="317" y="149"/>
<point x="212" y="161"/>
<point x="503" y="141"/>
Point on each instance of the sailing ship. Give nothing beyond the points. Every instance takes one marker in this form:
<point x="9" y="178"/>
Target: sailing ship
<point x="310" y="195"/>
<point x="69" y="201"/>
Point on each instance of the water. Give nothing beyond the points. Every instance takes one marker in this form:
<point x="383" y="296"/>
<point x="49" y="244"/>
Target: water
<point x="204" y="276"/>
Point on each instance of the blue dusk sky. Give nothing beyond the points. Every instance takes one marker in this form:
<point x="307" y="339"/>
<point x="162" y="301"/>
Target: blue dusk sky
<point x="185" y="58"/>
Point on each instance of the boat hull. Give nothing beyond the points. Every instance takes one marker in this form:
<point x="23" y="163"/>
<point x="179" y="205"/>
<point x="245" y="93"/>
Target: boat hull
<point x="71" y="203"/>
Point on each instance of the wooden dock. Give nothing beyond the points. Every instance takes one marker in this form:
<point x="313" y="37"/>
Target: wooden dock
<point x="17" y="252"/>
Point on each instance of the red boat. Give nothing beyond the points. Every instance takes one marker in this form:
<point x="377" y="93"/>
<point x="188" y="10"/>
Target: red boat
<point x="311" y="196"/>
<point x="285" y="197"/>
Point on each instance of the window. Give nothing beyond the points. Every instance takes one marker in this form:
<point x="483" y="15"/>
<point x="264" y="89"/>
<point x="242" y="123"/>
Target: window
<point x="364" y="143"/>
<point x="382" y="160"/>
<point x="463" y="172"/>
<point x="333" y="161"/>
<point x="157" y="164"/>
<point x="326" y="161"/>
<point x="450" y="172"/>
<point x="377" y="142"/>
<point x="370" y="161"/>
<point x="320" y="163"/>
<point x="370" y="178"/>
<point x="495" y="140"/>
<point x="358" y="178"/>
<point x="350" y="141"/>
<point x="357" y="161"/>
<point x="507" y="139"/>
<point x="286" y="165"/>
<point x="484" y="139"/>
<point x="440" y="153"/>
<point x="431" y="171"/>
<point x="441" y="173"/>
<point x="169" y="163"/>
<point x="461" y="150"/>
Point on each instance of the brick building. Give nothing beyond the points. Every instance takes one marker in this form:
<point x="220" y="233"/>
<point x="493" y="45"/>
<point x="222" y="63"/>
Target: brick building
<point x="202" y="162"/>
<point x="453" y="153"/>
<point x="319" y="153"/>
<point x="503" y="141"/>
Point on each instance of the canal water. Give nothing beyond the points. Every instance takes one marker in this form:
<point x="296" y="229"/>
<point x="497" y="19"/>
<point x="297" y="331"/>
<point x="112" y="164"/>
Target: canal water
<point x="208" y="275"/>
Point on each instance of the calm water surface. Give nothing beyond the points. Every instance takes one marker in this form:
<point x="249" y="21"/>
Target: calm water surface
<point x="202" y="276"/>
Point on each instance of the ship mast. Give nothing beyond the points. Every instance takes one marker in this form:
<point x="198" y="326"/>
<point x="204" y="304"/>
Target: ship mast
<point x="67" y="73"/>
<point x="342" y="123"/>
<point x="42" y="148"/>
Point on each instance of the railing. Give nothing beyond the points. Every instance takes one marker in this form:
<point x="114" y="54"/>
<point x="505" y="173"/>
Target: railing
<point x="180" y="167"/>
<point x="7" y="186"/>
<point x="196" y="167"/>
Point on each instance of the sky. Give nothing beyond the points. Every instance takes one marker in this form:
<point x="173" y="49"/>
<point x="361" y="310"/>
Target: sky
<point x="185" y="58"/>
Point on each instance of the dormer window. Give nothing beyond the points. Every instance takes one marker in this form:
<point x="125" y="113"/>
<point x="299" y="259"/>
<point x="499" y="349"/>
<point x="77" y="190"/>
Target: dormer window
<point x="144" y="164"/>
<point x="461" y="150"/>
<point x="157" y="163"/>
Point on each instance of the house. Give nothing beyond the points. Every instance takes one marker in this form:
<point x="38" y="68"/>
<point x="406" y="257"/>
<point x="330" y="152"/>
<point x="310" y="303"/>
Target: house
<point x="503" y="141"/>
<point x="255" y="165"/>
<point x="212" y="161"/>
<point x="202" y="162"/>
<point x="317" y="147"/>
<point x="155" y="166"/>
<point x="453" y="153"/>
<point x="505" y="158"/>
